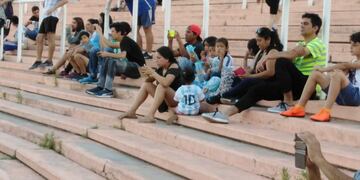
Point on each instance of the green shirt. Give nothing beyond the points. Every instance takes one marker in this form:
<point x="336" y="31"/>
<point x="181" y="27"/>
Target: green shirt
<point x="317" y="56"/>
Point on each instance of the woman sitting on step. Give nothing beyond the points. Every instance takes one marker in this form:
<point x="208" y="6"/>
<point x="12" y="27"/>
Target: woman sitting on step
<point x="167" y="78"/>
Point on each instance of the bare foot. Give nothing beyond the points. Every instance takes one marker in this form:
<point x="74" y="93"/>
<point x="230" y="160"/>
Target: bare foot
<point x="128" y="115"/>
<point x="146" y="119"/>
<point x="173" y="118"/>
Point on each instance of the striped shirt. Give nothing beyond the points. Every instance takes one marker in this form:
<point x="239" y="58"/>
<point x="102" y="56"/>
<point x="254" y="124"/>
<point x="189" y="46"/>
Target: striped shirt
<point x="189" y="97"/>
<point x="317" y="56"/>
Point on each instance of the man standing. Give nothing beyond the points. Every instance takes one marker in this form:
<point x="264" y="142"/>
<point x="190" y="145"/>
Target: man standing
<point x="146" y="18"/>
<point x="47" y="29"/>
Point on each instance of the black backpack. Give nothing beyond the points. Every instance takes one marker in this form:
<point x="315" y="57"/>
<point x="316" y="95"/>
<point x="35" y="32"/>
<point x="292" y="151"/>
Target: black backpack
<point x="9" y="11"/>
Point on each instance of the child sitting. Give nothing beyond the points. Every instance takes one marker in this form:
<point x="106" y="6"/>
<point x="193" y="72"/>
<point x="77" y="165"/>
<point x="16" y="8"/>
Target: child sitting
<point x="341" y="88"/>
<point x="225" y="70"/>
<point x="188" y="95"/>
<point x="81" y="59"/>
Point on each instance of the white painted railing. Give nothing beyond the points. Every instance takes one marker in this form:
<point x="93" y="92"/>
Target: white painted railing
<point x="311" y="2"/>
<point x="20" y="30"/>
<point x="107" y="18"/>
<point x="2" y="44"/>
<point x="167" y="19"/>
<point x="326" y="26"/>
<point x="285" y="23"/>
<point x="134" y="24"/>
<point x="63" y="34"/>
<point x="244" y="4"/>
<point x="206" y="15"/>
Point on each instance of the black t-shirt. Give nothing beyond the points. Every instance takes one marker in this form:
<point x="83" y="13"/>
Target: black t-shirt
<point x="174" y="71"/>
<point x="198" y="48"/>
<point x="34" y="18"/>
<point x="133" y="51"/>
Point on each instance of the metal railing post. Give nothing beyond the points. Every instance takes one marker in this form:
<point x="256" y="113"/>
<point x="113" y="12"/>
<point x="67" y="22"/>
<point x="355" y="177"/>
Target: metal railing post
<point x="63" y="30"/>
<point x="311" y="2"/>
<point x="167" y="20"/>
<point x="20" y="32"/>
<point x="107" y="19"/>
<point x="326" y="26"/>
<point x="244" y="4"/>
<point x="206" y="14"/>
<point x="2" y="44"/>
<point x="285" y="23"/>
<point x="135" y="18"/>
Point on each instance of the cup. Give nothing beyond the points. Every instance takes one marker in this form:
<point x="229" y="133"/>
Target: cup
<point x="172" y="33"/>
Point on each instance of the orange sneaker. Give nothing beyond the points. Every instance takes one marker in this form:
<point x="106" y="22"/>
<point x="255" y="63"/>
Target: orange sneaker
<point x="322" y="116"/>
<point x="296" y="111"/>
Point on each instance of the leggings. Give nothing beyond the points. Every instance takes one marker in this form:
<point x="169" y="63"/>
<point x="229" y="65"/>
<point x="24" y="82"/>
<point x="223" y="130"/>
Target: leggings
<point x="270" y="89"/>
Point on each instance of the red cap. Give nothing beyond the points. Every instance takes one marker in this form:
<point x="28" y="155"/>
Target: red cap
<point x="195" y="29"/>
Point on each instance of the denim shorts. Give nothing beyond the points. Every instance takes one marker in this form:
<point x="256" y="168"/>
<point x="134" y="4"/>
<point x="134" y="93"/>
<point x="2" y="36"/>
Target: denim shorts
<point x="348" y="96"/>
<point x="357" y="175"/>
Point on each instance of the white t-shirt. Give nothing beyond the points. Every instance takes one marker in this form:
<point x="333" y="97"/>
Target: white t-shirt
<point x="48" y="4"/>
<point x="189" y="97"/>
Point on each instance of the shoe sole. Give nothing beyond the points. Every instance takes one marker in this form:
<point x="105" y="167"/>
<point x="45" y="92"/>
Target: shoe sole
<point x="213" y="120"/>
<point x="315" y="120"/>
<point x="292" y="116"/>
<point x="91" y="93"/>
<point x="105" y="96"/>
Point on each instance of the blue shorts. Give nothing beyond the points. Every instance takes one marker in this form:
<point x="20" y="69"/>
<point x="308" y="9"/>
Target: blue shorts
<point x="348" y="96"/>
<point x="147" y="19"/>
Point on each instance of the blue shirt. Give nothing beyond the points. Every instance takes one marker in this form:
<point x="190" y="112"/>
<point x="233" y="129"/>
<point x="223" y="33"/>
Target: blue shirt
<point x="95" y="40"/>
<point x="144" y="6"/>
<point x="189" y="97"/>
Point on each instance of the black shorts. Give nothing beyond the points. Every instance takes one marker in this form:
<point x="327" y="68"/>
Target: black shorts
<point x="274" y="6"/>
<point x="2" y="23"/>
<point x="48" y="25"/>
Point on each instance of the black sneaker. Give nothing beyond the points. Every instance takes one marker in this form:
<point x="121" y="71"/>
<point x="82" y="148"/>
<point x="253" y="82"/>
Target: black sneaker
<point x="105" y="93"/>
<point x="94" y="91"/>
<point x="35" y="65"/>
<point x="47" y="63"/>
<point x="147" y="55"/>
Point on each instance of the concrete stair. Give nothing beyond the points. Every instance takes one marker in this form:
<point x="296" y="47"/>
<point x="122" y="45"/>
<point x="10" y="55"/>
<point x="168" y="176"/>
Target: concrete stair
<point x="11" y="168"/>
<point x="273" y="132"/>
<point x="91" y="143"/>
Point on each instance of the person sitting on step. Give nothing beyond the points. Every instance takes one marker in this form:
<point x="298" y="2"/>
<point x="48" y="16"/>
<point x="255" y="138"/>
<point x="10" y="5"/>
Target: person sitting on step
<point x="190" y="97"/>
<point x="341" y="82"/>
<point x="81" y="57"/>
<point x="125" y="64"/>
<point x="167" y="78"/>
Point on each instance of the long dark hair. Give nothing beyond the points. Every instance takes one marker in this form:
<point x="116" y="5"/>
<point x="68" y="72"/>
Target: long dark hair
<point x="79" y="24"/>
<point x="102" y="24"/>
<point x="267" y="33"/>
<point x="167" y="53"/>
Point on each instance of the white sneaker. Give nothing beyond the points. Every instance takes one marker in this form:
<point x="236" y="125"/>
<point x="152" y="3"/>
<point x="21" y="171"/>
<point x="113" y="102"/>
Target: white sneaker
<point x="216" y="117"/>
<point x="281" y="107"/>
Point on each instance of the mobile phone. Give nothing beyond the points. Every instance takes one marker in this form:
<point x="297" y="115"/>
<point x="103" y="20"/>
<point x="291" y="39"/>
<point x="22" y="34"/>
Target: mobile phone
<point x="239" y="71"/>
<point x="300" y="153"/>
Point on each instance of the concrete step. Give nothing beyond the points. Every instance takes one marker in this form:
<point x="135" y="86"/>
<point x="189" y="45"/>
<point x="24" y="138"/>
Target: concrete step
<point x="280" y="139"/>
<point x="179" y="166"/>
<point x="46" y="162"/>
<point x="170" y="158"/>
<point x="11" y="168"/>
<point x="126" y="93"/>
<point x="203" y="144"/>
<point x="96" y="157"/>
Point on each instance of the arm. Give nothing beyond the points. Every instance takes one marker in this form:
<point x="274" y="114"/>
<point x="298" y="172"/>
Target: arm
<point x="316" y="157"/>
<point x="58" y="5"/>
<point x="164" y="81"/>
<point x="298" y="51"/>
<point x="342" y="66"/>
<point x="112" y="55"/>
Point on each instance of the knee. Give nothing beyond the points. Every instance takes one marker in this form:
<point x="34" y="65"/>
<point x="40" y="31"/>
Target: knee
<point x="337" y="75"/>
<point x="40" y="39"/>
<point x="315" y="74"/>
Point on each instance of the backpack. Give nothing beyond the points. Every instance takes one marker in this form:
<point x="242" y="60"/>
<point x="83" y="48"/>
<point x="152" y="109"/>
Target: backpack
<point x="9" y="11"/>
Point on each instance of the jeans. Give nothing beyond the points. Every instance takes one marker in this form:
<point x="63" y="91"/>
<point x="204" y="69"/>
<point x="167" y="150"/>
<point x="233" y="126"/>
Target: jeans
<point x="95" y="62"/>
<point x="31" y="34"/>
<point x="117" y="67"/>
